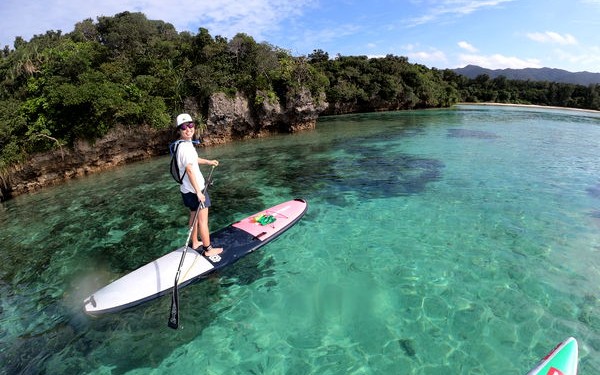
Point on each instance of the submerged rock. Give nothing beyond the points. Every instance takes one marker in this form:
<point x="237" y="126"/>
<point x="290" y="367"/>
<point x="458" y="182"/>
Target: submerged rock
<point x="408" y="347"/>
<point x="467" y="133"/>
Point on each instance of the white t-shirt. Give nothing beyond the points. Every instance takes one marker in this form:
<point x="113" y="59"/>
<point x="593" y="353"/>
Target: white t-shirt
<point x="187" y="154"/>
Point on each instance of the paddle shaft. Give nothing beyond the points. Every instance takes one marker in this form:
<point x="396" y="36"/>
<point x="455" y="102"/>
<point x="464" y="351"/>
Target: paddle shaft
<point x="174" y="313"/>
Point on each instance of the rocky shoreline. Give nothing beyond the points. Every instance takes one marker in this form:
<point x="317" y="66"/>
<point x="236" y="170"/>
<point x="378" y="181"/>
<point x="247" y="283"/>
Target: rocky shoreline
<point x="229" y="118"/>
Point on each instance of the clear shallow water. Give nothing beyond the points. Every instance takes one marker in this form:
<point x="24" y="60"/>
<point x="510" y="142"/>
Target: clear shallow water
<point x="461" y="241"/>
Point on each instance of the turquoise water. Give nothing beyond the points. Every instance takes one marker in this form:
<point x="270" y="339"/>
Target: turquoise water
<point x="459" y="241"/>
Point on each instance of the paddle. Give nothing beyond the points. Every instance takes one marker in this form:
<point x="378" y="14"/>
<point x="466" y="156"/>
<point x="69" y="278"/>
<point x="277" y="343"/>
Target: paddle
<point x="174" y="315"/>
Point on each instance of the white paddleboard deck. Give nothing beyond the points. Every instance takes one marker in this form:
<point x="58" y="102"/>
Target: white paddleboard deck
<point x="151" y="280"/>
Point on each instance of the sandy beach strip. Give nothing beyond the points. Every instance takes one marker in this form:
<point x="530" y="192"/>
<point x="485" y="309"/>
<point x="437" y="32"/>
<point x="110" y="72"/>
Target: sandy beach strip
<point x="529" y="106"/>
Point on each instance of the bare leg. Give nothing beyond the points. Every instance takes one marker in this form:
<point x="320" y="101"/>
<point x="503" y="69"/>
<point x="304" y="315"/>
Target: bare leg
<point x="205" y="233"/>
<point x="195" y="242"/>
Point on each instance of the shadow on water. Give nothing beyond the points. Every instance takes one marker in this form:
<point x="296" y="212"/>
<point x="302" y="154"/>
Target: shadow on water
<point x="366" y="170"/>
<point x="370" y="172"/>
<point x="385" y="176"/>
<point x="468" y="133"/>
<point x="594" y="191"/>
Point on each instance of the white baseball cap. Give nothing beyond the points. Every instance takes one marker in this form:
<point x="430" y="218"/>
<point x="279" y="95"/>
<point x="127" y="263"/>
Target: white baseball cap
<point x="183" y="118"/>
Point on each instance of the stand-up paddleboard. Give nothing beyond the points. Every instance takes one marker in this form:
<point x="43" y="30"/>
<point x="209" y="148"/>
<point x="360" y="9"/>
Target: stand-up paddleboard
<point x="562" y="360"/>
<point x="156" y="278"/>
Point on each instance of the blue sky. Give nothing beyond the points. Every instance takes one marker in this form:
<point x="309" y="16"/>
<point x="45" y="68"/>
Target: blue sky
<point x="495" y="34"/>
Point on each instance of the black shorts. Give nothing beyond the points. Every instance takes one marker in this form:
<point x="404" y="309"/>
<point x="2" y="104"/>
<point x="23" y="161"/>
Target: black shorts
<point x="190" y="200"/>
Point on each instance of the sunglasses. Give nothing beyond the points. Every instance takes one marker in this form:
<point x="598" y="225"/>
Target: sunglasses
<point x="189" y="125"/>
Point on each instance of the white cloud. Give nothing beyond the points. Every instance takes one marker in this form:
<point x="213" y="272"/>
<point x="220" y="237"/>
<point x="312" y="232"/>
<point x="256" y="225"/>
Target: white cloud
<point x="467" y="46"/>
<point x="221" y="17"/>
<point x="453" y="8"/>
<point x="429" y="56"/>
<point x="226" y="17"/>
<point x="498" y="61"/>
<point x="587" y="60"/>
<point x="552" y="37"/>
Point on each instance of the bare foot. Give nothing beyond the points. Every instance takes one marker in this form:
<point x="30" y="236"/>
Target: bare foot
<point x="198" y="247"/>
<point x="213" y="251"/>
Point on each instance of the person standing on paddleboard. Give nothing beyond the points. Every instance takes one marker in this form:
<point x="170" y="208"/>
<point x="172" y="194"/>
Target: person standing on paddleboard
<point x="193" y="185"/>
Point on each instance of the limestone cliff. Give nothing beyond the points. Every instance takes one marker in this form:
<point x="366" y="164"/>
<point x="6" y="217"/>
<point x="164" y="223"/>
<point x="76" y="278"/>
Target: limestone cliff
<point x="229" y="118"/>
<point x="236" y="118"/>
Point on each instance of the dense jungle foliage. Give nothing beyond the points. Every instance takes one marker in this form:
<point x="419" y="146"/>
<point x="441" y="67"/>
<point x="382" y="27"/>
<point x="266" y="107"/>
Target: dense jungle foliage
<point x="129" y="70"/>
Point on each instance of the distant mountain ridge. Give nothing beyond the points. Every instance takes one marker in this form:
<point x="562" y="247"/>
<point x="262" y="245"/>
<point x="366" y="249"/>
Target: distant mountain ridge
<point x="533" y="74"/>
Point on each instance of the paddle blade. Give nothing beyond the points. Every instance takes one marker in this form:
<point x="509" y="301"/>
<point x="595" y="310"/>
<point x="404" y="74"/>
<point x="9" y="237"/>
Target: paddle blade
<point x="174" y="316"/>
